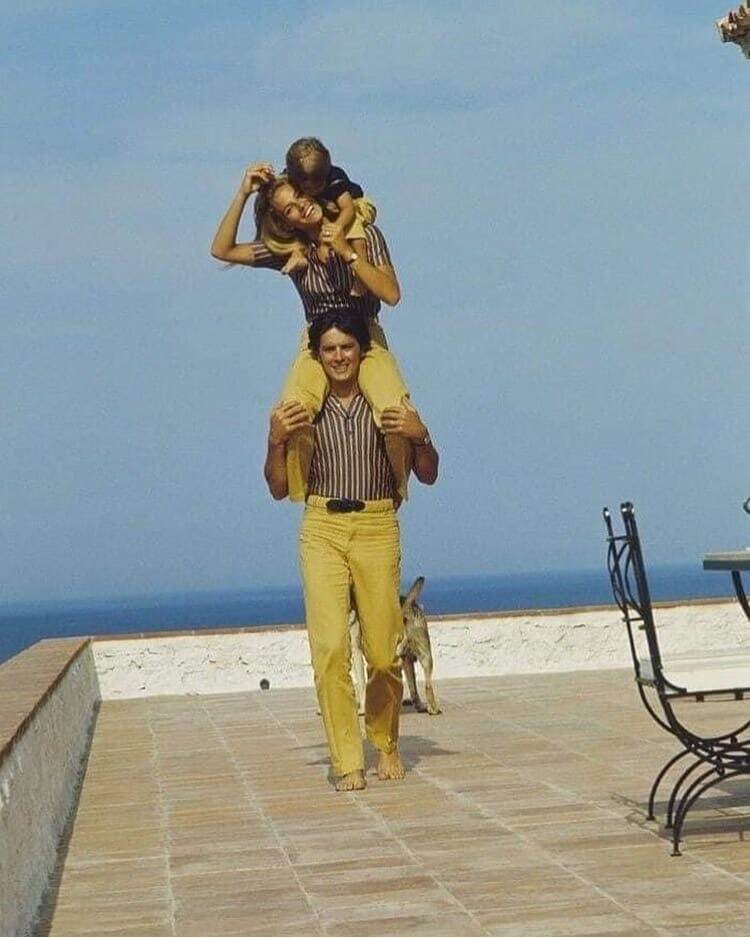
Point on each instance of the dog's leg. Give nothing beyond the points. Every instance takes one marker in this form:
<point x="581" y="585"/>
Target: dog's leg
<point x="432" y="705"/>
<point x="358" y="661"/>
<point x="411" y="681"/>
<point x="360" y="678"/>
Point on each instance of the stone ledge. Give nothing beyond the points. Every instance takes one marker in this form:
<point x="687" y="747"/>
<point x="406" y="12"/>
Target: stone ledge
<point x="28" y="679"/>
<point x="50" y="696"/>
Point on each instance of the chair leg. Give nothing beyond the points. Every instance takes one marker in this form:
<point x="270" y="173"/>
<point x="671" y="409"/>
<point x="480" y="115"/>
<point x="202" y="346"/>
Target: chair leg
<point x="688" y="802"/>
<point x="676" y="790"/>
<point x="685" y="803"/>
<point x="657" y="781"/>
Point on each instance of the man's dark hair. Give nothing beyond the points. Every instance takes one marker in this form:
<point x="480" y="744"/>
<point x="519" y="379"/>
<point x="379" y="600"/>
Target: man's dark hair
<point x="347" y="320"/>
<point x="307" y="158"/>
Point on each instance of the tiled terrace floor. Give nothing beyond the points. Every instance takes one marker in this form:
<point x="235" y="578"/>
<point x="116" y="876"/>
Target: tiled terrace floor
<point x="523" y="814"/>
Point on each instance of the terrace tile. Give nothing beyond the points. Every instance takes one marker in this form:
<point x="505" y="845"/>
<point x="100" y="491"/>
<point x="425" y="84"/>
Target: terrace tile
<point x="523" y="813"/>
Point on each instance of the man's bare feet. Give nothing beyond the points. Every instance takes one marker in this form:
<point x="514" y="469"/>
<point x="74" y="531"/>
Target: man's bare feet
<point x="390" y="765"/>
<point x="352" y="781"/>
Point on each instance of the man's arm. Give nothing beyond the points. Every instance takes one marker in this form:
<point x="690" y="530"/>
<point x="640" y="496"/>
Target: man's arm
<point x="224" y="246"/>
<point x="286" y="418"/>
<point x="404" y="421"/>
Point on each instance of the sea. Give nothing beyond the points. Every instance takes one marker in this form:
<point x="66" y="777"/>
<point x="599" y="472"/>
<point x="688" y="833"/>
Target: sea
<point x="22" y="624"/>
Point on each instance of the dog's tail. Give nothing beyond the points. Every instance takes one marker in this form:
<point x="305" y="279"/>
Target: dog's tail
<point x="413" y="595"/>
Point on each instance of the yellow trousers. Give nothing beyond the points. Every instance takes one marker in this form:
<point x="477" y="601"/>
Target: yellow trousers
<point x="380" y="382"/>
<point x="361" y="548"/>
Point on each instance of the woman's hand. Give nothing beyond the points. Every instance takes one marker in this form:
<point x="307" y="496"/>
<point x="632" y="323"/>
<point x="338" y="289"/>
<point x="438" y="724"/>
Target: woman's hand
<point x="286" y="418"/>
<point x="332" y="235"/>
<point x="256" y="176"/>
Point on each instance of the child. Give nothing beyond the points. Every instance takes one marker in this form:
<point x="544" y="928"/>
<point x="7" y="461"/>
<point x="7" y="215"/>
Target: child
<point x="308" y="166"/>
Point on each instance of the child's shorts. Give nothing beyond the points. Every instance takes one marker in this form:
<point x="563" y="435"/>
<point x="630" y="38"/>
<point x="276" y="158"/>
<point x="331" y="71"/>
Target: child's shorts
<point x="364" y="214"/>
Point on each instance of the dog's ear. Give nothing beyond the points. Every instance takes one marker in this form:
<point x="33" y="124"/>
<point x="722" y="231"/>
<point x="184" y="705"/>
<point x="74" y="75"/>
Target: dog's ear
<point x="413" y="595"/>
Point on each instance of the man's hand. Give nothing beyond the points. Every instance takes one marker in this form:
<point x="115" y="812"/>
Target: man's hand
<point x="256" y="176"/>
<point x="403" y="420"/>
<point x="286" y="418"/>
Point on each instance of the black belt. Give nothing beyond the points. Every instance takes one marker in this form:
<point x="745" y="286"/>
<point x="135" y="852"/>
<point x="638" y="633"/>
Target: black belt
<point x="344" y="505"/>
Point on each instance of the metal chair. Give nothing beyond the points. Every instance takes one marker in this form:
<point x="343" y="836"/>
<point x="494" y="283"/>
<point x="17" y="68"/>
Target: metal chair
<point x="709" y="760"/>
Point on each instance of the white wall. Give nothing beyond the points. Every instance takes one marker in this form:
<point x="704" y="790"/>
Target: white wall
<point x="462" y="647"/>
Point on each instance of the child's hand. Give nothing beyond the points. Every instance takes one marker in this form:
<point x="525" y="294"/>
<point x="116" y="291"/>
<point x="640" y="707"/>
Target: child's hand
<point x="333" y="236"/>
<point x="297" y="261"/>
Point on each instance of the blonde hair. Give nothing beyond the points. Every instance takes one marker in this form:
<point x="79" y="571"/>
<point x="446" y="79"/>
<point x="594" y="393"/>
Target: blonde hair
<point x="270" y="227"/>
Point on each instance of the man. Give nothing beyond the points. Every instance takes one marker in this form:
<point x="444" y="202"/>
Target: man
<point x="350" y="539"/>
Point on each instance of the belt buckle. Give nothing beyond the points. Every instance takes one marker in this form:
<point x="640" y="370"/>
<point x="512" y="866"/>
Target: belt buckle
<point x="344" y="505"/>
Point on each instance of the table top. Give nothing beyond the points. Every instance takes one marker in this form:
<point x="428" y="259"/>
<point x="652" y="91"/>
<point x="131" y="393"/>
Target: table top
<point x="729" y="560"/>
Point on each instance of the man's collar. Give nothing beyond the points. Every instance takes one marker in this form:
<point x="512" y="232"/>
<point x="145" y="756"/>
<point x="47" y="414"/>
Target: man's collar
<point x="346" y="408"/>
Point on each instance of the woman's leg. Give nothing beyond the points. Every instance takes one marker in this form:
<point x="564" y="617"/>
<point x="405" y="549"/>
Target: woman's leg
<point x="305" y="383"/>
<point x="382" y="385"/>
<point x="325" y="577"/>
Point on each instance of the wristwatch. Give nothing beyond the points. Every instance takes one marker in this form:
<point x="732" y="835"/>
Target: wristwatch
<point x="352" y="258"/>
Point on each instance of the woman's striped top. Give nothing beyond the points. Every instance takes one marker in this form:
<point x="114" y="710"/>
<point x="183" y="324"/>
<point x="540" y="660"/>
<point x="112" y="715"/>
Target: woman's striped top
<point x="325" y="286"/>
<point x="349" y="459"/>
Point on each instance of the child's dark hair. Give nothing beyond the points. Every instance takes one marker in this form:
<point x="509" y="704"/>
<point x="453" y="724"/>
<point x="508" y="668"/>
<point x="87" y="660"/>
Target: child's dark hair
<point x="307" y="158"/>
<point x="347" y="320"/>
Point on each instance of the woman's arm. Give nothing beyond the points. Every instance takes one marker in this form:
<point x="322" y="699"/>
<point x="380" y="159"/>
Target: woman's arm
<point x="286" y="418"/>
<point x="380" y="279"/>
<point x="225" y="247"/>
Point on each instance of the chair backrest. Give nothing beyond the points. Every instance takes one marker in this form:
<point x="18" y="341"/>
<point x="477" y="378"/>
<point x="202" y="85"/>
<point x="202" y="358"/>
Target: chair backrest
<point x="627" y="574"/>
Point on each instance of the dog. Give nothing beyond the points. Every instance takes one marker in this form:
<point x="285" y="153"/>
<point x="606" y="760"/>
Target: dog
<point x="359" y="675"/>
<point x="415" y="646"/>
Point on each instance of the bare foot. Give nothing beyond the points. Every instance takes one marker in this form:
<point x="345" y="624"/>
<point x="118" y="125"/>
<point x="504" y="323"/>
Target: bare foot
<point x="352" y="781"/>
<point x="390" y="765"/>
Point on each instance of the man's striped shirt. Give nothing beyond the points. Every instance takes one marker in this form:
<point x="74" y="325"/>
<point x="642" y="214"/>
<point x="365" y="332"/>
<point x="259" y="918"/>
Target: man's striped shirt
<point x="325" y="286"/>
<point x="349" y="459"/>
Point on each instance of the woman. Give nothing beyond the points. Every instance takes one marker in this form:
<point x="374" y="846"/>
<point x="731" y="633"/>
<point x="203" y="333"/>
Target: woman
<point x="324" y="286"/>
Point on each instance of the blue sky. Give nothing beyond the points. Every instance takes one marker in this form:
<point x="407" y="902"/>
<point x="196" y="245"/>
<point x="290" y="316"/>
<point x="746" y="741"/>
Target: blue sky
<point x="562" y="189"/>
